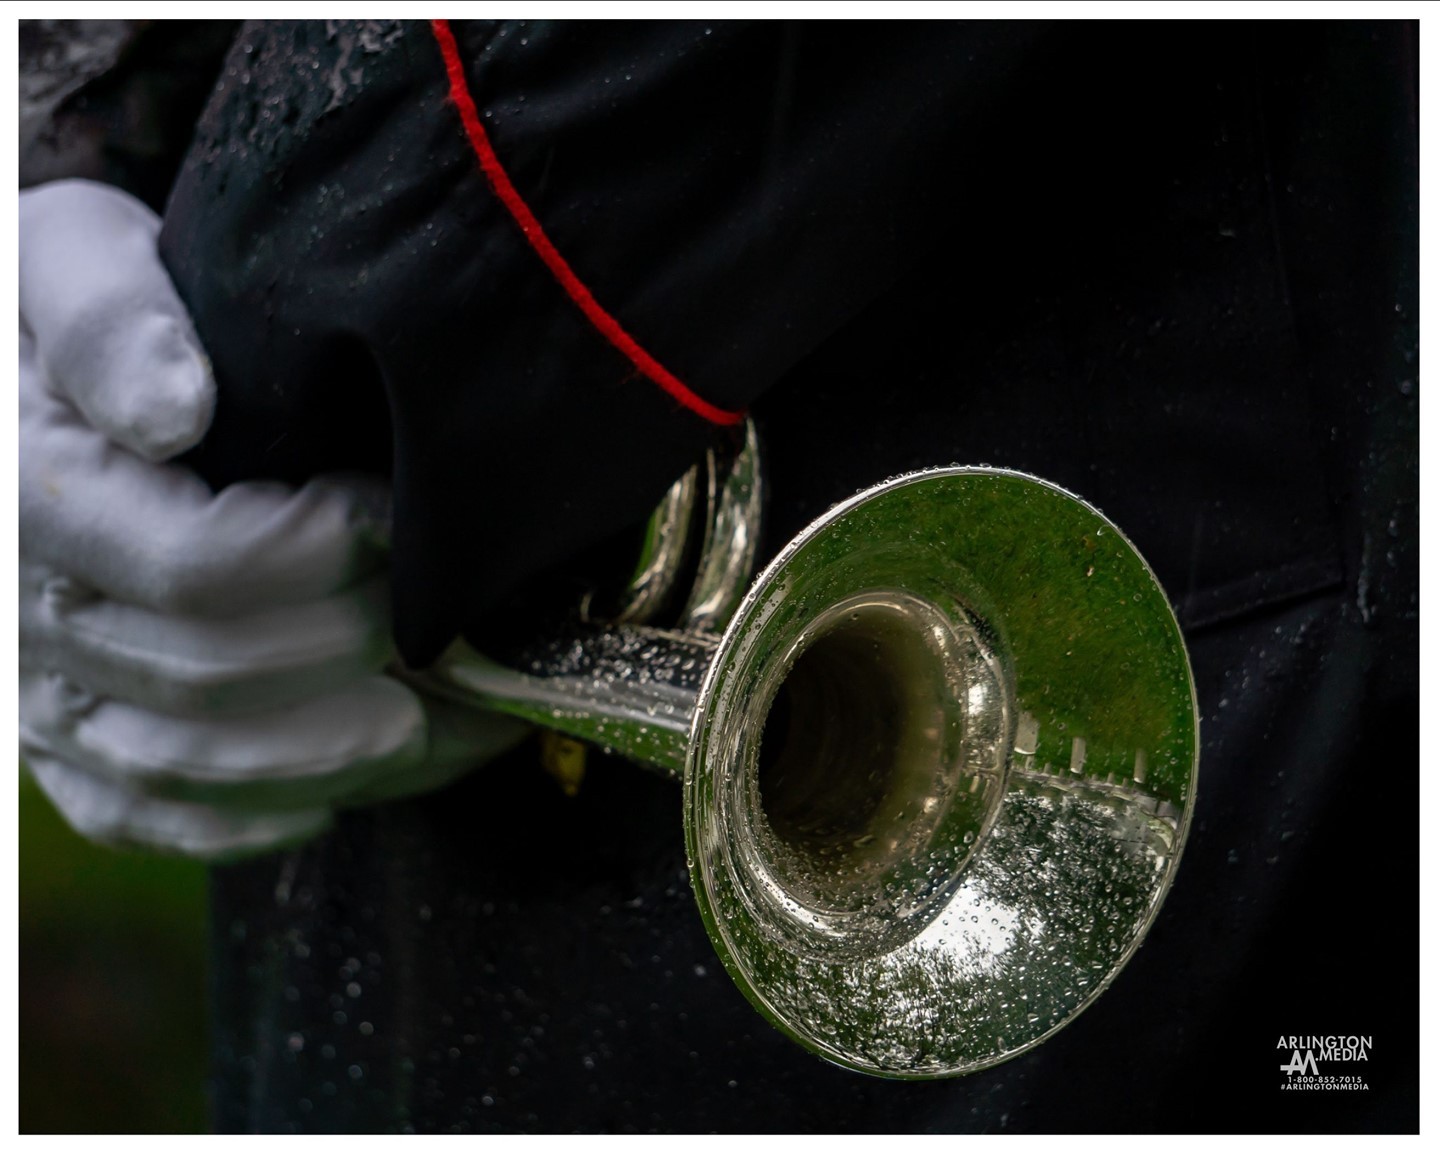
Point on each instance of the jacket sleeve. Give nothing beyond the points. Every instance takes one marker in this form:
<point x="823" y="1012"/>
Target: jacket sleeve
<point x="377" y="293"/>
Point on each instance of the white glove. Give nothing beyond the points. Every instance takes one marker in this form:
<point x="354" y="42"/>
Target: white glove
<point x="199" y="673"/>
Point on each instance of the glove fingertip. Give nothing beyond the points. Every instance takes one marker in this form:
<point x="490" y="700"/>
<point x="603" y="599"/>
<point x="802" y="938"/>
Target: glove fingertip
<point x="170" y="413"/>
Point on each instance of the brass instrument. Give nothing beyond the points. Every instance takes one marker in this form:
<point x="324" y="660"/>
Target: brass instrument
<point x="938" y="769"/>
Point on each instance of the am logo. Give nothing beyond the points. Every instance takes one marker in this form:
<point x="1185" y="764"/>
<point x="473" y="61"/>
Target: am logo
<point x="1303" y="1063"/>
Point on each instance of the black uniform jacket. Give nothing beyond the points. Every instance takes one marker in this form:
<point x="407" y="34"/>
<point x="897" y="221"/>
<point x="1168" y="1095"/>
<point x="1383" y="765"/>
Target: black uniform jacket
<point x="531" y="272"/>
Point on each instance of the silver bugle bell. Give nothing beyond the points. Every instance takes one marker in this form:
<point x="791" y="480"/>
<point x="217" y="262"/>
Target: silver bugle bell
<point x="938" y="769"/>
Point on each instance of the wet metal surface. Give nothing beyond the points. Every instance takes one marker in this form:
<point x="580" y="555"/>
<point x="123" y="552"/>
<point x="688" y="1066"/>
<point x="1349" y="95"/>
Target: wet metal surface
<point x="878" y="881"/>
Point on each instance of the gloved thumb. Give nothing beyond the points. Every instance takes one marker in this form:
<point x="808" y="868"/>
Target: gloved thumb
<point x="109" y="327"/>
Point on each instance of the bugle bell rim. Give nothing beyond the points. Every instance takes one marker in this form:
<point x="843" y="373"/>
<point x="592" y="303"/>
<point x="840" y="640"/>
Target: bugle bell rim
<point x="1078" y="841"/>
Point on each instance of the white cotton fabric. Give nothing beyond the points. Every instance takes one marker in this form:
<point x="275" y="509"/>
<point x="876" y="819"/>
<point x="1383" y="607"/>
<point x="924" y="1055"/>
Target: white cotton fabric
<point x="200" y="673"/>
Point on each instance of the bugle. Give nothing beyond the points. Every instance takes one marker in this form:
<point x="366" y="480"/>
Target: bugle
<point x="938" y="768"/>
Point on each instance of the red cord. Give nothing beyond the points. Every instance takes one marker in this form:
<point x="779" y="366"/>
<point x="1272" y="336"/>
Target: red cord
<point x="535" y="236"/>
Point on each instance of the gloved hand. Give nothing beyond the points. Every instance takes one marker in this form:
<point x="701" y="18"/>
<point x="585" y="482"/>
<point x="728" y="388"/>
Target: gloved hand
<point x="199" y="673"/>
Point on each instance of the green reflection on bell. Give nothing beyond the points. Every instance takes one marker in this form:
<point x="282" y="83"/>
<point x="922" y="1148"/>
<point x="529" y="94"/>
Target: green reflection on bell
<point x="940" y="772"/>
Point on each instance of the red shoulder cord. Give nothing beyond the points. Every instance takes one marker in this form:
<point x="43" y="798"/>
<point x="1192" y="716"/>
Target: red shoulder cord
<point x="535" y="236"/>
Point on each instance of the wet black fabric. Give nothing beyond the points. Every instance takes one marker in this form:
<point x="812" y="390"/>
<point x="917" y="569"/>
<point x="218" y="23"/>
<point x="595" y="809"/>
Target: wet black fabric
<point x="734" y="195"/>
<point x="731" y="193"/>
<point x="1172" y="268"/>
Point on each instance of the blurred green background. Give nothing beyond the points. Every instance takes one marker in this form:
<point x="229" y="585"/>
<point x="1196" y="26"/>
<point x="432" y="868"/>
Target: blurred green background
<point x="112" y="983"/>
